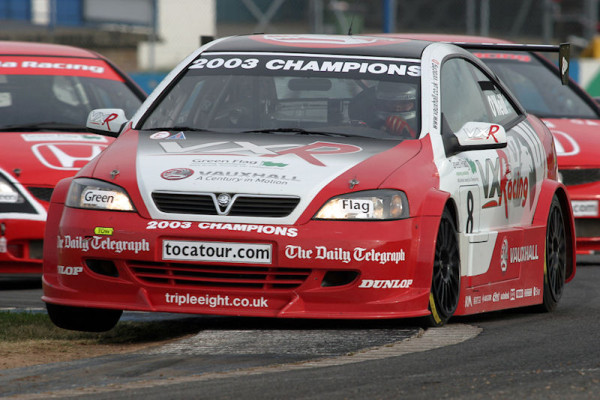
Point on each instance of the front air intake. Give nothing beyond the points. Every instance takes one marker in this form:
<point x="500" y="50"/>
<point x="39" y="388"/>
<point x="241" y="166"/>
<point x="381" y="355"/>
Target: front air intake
<point x="240" y="205"/>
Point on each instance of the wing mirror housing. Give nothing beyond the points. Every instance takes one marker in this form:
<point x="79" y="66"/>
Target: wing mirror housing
<point x="106" y="121"/>
<point x="481" y="135"/>
<point x="476" y="136"/>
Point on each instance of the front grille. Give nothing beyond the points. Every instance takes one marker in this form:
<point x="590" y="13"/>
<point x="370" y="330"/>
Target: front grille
<point x="587" y="227"/>
<point x="241" y="205"/>
<point x="184" y="203"/>
<point x="572" y="177"/>
<point x="218" y="276"/>
<point x="41" y="193"/>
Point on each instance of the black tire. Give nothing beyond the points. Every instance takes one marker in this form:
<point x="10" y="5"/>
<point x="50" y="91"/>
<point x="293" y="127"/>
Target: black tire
<point x="555" y="265"/>
<point x="445" y="284"/>
<point x="83" y="319"/>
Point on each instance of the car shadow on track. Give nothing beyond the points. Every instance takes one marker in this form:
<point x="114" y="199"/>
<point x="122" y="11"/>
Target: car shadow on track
<point x="20" y="282"/>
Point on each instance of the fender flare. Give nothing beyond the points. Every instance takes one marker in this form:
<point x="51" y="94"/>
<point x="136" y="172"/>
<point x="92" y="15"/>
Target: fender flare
<point x="551" y="188"/>
<point x="435" y="202"/>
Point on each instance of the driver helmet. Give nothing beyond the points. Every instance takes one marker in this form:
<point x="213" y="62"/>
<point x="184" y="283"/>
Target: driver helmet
<point x="396" y="99"/>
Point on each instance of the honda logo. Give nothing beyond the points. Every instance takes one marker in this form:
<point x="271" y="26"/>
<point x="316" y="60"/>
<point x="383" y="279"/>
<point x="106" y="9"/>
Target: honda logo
<point x="66" y="156"/>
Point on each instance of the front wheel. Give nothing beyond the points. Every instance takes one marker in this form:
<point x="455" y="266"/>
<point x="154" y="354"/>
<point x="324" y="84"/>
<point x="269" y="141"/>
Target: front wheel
<point x="555" y="265"/>
<point x="445" y="285"/>
<point x="83" y="319"/>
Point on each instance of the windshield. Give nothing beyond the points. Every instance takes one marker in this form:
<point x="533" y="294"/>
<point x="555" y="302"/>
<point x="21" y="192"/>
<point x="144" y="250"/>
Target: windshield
<point x="293" y="94"/>
<point x="537" y="87"/>
<point x="58" y="102"/>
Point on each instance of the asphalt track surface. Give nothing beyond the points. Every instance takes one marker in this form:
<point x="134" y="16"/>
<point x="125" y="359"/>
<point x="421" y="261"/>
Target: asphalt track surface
<point x="517" y="354"/>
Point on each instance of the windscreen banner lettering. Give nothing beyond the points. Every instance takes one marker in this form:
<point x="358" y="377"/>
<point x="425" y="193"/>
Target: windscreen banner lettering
<point x="97" y="69"/>
<point x="61" y="66"/>
<point x="346" y="66"/>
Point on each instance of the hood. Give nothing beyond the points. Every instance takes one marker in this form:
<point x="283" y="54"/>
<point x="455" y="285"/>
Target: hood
<point x="42" y="159"/>
<point x="256" y="164"/>
<point x="576" y="141"/>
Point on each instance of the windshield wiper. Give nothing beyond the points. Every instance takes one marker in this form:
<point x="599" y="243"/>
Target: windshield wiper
<point x="43" y="126"/>
<point x="299" y="131"/>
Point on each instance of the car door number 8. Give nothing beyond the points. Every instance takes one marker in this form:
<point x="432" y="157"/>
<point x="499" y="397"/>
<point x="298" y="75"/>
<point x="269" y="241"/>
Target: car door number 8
<point x="469" y="226"/>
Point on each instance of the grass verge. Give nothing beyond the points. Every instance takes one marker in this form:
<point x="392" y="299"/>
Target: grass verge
<point x="37" y="326"/>
<point x="31" y="338"/>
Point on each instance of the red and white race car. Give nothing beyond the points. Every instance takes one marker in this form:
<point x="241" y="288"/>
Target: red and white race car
<point x="570" y="113"/>
<point x="307" y="176"/>
<point x="46" y="94"/>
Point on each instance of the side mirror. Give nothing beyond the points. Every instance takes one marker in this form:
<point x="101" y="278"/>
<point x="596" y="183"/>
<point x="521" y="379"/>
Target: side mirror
<point x="480" y="135"/>
<point x="106" y="121"/>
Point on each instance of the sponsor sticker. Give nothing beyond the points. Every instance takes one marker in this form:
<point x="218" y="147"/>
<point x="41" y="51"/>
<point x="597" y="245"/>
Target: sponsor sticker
<point x="175" y="174"/>
<point x="103" y="231"/>
<point x="217" y="251"/>
<point x="524" y="253"/>
<point x="177" y="136"/>
<point x="310" y="153"/>
<point x="86" y="244"/>
<point x="585" y="208"/>
<point x="72" y="271"/>
<point x="356" y="208"/>
<point x="386" y="283"/>
<point x="504" y="255"/>
<point x="99" y="198"/>
<point x="358" y="254"/>
<point x="160" y="135"/>
<point x="214" y="301"/>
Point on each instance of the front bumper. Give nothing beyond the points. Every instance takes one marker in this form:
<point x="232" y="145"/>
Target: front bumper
<point x="585" y="201"/>
<point x="323" y="269"/>
<point x="22" y="252"/>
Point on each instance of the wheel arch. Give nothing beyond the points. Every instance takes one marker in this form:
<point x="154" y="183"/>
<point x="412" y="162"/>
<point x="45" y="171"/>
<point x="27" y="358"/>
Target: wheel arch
<point x="549" y="190"/>
<point x="440" y="205"/>
<point x="51" y="230"/>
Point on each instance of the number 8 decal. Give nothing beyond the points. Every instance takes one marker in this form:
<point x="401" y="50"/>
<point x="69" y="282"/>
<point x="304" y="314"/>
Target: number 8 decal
<point x="469" y="227"/>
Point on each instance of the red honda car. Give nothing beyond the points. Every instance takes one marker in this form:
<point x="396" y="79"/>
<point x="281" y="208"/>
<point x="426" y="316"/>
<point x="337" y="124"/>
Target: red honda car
<point x="571" y="114"/>
<point x="46" y="94"/>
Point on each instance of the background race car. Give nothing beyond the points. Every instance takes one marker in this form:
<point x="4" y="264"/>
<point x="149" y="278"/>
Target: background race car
<point x="303" y="176"/>
<point x="571" y="114"/>
<point x="46" y="93"/>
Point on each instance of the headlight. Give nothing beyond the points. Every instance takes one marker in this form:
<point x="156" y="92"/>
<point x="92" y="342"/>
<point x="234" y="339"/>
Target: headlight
<point x="98" y="195"/>
<point x="8" y="194"/>
<point x="382" y="204"/>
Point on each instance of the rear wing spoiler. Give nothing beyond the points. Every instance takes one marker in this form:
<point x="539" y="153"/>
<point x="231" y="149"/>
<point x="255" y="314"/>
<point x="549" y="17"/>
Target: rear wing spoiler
<point x="563" y="52"/>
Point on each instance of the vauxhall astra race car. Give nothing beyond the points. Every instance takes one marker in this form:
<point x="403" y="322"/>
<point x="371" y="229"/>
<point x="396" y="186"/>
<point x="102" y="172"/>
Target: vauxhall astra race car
<point x="302" y="176"/>
<point x="571" y="114"/>
<point x="46" y="94"/>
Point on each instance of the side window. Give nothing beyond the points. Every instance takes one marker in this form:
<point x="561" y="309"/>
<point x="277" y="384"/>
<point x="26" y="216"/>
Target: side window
<point x="501" y="110"/>
<point x="468" y="95"/>
<point x="462" y="100"/>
